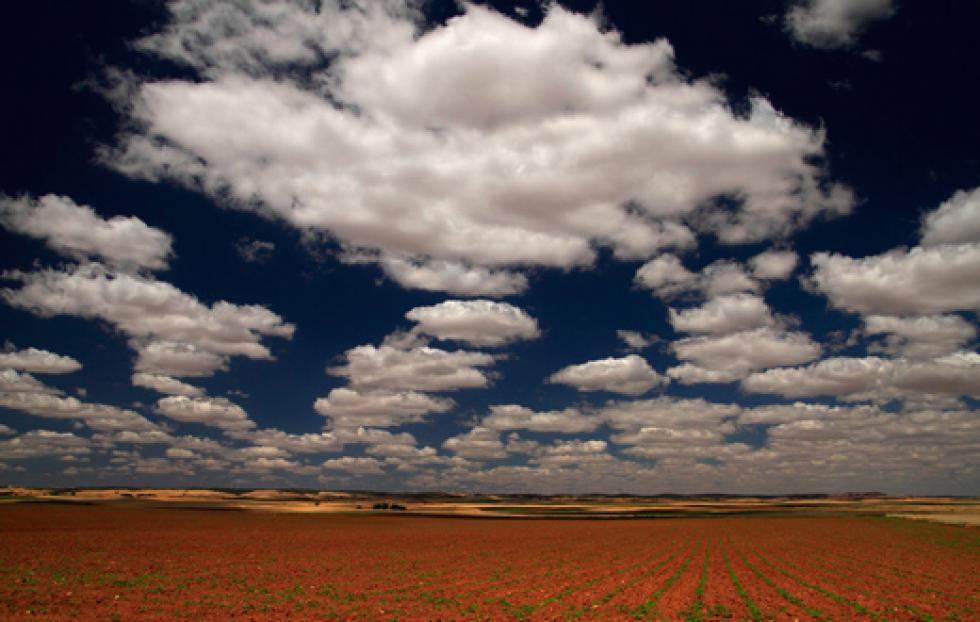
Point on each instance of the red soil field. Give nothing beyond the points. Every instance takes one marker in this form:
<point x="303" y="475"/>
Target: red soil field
<point x="92" y="562"/>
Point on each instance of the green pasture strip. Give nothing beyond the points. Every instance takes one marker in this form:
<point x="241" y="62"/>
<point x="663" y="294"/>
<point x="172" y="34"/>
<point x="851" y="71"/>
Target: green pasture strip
<point x="948" y="536"/>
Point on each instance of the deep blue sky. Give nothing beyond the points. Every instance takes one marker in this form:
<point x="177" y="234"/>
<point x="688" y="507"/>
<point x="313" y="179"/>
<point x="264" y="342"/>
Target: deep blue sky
<point x="426" y="138"/>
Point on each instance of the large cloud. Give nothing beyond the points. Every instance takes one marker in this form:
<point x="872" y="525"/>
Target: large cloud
<point x="308" y="443"/>
<point x="574" y="453"/>
<point x="211" y="411"/>
<point x="76" y="231"/>
<point x="42" y="443"/>
<point x="170" y="358"/>
<point x="667" y="277"/>
<point x="630" y="375"/>
<point x="156" y="315"/>
<point x="446" y="276"/>
<point x="666" y="412"/>
<point x="38" y="361"/>
<point x="828" y="444"/>
<point x="801" y="411"/>
<point x="619" y="148"/>
<point x="23" y="392"/>
<point x="355" y="465"/>
<point x="350" y="408"/>
<point x="100" y="417"/>
<point x="514" y="417"/>
<point x="714" y="358"/>
<point x="723" y="315"/>
<point x="874" y="378"/>
<point x="956" y="220"/>
<point x="834" y="23"/>
<point x="477" y="444"/>
<point x="922" y="280"/>
<point x="386" y="368"/>
<point x="13" y="382"/>
<point x="923" y="336"/>
<point x="478" y="322"/>
<point x="936" y="277"/>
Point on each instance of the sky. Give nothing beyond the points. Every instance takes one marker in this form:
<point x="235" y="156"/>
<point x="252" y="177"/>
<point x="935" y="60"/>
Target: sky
<point x="632" y="247"/>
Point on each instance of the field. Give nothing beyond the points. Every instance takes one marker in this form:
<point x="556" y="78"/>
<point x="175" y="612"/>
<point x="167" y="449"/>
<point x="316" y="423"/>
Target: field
<point x="956" y="511"/>
<point x="68" y="560"/>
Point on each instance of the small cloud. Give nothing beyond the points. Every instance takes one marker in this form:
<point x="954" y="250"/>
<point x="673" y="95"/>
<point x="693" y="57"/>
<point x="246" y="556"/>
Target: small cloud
<point x="829" y="24"/>
<point x="237" y="393"/>
<point x="254" y="251"/>
<point x="874" y="56"/>
<point x="630" y="375"/>
<point x="634" y="340"/>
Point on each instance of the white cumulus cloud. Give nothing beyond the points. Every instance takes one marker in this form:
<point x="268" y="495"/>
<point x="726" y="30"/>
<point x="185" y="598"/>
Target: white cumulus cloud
<point x="13" y="382"/>
<point x="667" y="277"/>
<point x="636" y="340"/>
<point x="350" y="408"/>
<point x="216" y="412"/>
<point x="165" y="384"/>
<point x="77" y="231"/>
<point x="38" y="361"/>
<point x="834" y="23"/>
<point x="723" y="315"/>
<point x="479" y="443"/>
<point x="420" y="369"/>
<point x="919" y="281"/>
<point x="355" y="465"/>
<point x="714" y="358"/>
<point x="774" y="264"/>
<point x="439" y="275"/>
<point x="956" y="220"/>
<point x="873" y="378"/>
<point x="514" y="417"/>
<point x="927" y="336"/>
<point x="620" y="148"/>
<point x="100" y="417"/>
<point x="477" y="322"/>
<point x="630" y="375"/>
<point x="156" y="315"/>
